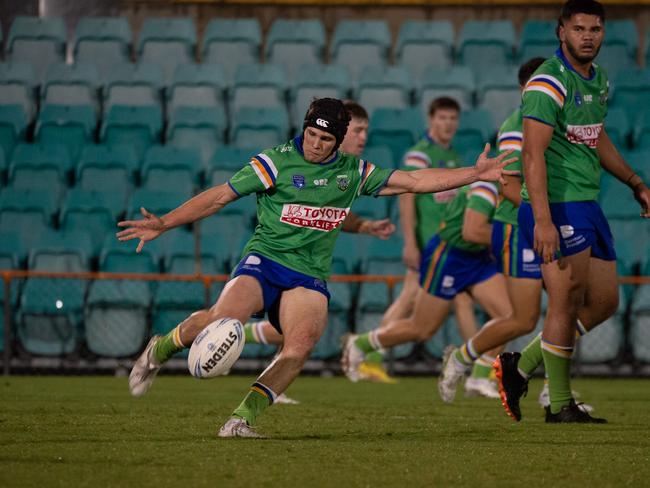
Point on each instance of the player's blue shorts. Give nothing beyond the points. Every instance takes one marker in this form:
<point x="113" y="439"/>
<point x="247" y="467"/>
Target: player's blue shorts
<point x="275" y="278"/>
<point x="581" y="225"/>
<point x="446" y="271"/>
<point x="514" y="258"/>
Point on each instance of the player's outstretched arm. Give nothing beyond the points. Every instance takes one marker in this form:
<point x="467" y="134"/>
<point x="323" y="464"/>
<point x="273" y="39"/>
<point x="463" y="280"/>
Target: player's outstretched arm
<point x="537" y="137"/>
<point x="356" y="224"/>
<point x="433" y="180"/>
<point x="205" y="203"/>
<point x="612" y="161"/>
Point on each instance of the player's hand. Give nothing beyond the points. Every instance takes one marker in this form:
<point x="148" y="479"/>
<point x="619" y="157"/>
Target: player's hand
<point x="146" y="229"/>
<point x="547" y="241"/>
<point x="380" y="228"/>
<point x="411" y="257"/>
<point x="491" y="169"/>
<point x="642" y="195"/>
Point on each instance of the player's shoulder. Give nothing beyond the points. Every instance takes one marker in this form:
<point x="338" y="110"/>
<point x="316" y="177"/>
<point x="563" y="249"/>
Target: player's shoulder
<point x="553" y="72"/>
<point x="600" y="74"/>
<point x="485" y="185"/>
<point x="281" y="151"/>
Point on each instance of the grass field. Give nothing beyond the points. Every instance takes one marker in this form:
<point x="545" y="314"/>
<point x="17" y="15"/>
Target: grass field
<point x="87" y="431"/>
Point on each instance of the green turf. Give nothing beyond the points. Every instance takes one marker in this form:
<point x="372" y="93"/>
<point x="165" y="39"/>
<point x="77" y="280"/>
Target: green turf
<point x="87" y="431"/>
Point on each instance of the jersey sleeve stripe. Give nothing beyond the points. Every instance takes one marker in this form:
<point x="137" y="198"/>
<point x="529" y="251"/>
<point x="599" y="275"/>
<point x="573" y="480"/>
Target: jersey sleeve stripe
<point x="550" y="80"/>
<point x="547" y="89"/>
<point x="513" y="135"/>
<point x="485" y="195"/>
<point x="416" y="163"/>
<point x="539" y="120"/>
<point x="486" y="186"/>
<point x="273" y="171"/>
<point x="514" y="145"/>
<point x="365" y="169"/>
<point x="262" y="173"/>
<point x="418" y="158"/>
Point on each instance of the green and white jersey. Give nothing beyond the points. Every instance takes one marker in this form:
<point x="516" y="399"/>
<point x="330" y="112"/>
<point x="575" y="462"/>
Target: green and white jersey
<point x="575" y="106"/>
<point x="430" y="207"/>
<point x="301" y="205"/>
<point x="480" y="196"/>
<point x="510" y="137"/>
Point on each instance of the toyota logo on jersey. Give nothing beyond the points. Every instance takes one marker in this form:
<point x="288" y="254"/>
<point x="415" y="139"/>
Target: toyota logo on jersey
<point x="324" y="219"/>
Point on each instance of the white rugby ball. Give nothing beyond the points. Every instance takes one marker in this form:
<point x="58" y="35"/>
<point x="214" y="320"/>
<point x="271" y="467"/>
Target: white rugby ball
<point x="216" y="348"/>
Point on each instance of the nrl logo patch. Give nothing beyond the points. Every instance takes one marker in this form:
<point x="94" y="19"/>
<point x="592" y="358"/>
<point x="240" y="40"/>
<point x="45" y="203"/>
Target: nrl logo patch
<point x="342" y="181"/>
<point x="298" y="181"/>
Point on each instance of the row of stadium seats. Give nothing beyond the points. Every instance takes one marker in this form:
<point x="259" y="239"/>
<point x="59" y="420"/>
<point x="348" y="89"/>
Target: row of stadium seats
<point x="173" y="41"/>
<point x="268" y="85"/>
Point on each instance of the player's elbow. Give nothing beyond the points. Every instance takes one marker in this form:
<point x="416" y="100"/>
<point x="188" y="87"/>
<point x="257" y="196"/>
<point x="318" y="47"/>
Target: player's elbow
<point x="469" y="233"/>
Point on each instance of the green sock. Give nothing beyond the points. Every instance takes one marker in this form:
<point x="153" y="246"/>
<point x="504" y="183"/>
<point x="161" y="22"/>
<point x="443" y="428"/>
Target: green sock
<point x="364" y="342"/>
<point x="482" y="367"/>
<point x="248" y="333"/>
<point x="169" y="345"/>
<point x="259" y="397"/>
<point x="557" y="361"/>
<point x="374" y="357"/>
<point x="531" y="356"/>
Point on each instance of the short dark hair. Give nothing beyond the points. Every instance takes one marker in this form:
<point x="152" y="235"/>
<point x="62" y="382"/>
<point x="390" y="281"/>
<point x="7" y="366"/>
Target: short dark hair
<point x="527" y="69"/>
<point x="573" y="7"/>
<point x="355" y="110"/>
<point x="443" y="103"/>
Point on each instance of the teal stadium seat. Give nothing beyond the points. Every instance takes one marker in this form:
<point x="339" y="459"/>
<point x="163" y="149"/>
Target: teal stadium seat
<point x="642" y="133"/>
<point x="226" y="161"/>
<point x="167" y="167"/>
<point x="384" y="86"/>
<point x="37" y="40"/>
<point x="231" y="42"/>
<point x="316" y="81"/>
<point x="18" y="86"/>
<point x="371" y="208"/>
<point x="105" y="41"/>
<point x="40" y="166"/>
<point x="617" y="125"/>
<point x="167" y="42"/>
<point x="133" y="84"/>
<point x="647" y="48"/>
<point x="71" y="125"/>
<point x="538" y="39"/>
<point x="13" y="126"/>
<point x="379" y="156"/>
<point x="355" y="40"/>
<point x="482" y="45"/>
<point x="197" y="85"/>
<point x="630" y="239"/>
<point x="139" y="127"/>
<point x="49" y="321"/>
<point x="261" y="127"/>
<point x="71" y="84"/>
<point x="156" y="202"/>
<point x="499" y="93"/>
<point x="457" y="83"/>
<point x="346" y="255"/>
<point x="617" y="205"/>
<point x="603" y="344"/>
<point x="640" y="318"/>
<point x="27" y="213"/>
<point x="398" y="129"/>
<point x="96" y="213"/>
<point x="619" y="47"/>
<point x="107" y="169"/>
<point x="640" y="161"/>
<point x="447" y="334"/>
<point x="631" y="90"/>
<point x="201" y="128"/>
<point x="12" y="251"/>
<point x="422" y="43"/>
<point x="293" y="43"/>
<point x="258" y="85"/>
<point x="116" y="310"/>
<point x="475" y="129"/>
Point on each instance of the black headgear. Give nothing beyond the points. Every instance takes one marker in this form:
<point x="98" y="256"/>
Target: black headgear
<point x="329" y="115"/>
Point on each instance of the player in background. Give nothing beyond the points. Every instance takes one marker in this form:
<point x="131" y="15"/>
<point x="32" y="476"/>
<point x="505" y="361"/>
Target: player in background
<point x="565" y="147"/>
<point x="455" y="260"/>
<point x="354" y="143"/>
<point x="420" y="217"/>
<point x="287" y="260"/>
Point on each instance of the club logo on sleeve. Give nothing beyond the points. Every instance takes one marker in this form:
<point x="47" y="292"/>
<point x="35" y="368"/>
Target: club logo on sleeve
<point x="342" y="181"/>
<point x="324" y="219"/>
<point x="567" y="231"/>
<point x="298" y="181"/>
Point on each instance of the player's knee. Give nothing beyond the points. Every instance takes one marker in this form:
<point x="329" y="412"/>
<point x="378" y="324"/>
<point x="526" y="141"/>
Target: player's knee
<point x="297" y="352"/>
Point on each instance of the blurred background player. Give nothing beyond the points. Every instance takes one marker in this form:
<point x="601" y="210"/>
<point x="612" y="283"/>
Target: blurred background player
<point x="565" y="146"/>
<point x="455" y="260"/>
<point x="420" y="217"/>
